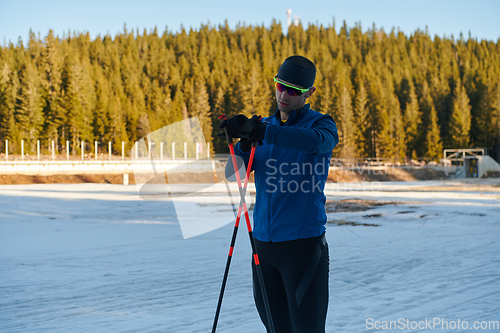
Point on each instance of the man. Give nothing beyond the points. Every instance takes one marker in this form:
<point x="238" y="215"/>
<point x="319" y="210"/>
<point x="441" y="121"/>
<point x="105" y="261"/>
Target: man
<point x="290" y="171"/>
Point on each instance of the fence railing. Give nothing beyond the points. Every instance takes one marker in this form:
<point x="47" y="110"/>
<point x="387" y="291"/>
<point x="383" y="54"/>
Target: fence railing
<point x="172" y="151"/>
<point x="189" y="150"/>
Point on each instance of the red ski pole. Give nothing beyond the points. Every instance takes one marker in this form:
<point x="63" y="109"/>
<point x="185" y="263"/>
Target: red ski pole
<point x="242" y="206"/>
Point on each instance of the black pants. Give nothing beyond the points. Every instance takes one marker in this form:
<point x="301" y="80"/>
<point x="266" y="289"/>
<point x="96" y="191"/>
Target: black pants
<point x="295" y="275"/>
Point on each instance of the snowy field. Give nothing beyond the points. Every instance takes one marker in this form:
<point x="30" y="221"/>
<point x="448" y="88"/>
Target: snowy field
<point x="98" y="258"/>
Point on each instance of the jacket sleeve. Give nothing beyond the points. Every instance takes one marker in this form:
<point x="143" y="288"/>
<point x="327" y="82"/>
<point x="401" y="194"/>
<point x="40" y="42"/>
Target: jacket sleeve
<point x="241" y="157"/>
<point x="321" y="138"/>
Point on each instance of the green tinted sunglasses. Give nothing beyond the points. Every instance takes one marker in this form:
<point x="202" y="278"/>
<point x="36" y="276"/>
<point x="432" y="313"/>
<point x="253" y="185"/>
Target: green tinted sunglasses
<point x="292" y="91"/>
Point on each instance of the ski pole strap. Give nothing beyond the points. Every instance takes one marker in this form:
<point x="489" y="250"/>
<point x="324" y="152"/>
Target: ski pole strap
<point x="221" y="118"/>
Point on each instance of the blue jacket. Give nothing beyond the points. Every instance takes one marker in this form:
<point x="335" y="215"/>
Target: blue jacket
<point x="290" y="172"/>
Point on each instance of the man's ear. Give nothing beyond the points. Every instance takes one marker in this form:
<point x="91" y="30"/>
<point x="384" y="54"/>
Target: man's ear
<point x="310" y="92"/>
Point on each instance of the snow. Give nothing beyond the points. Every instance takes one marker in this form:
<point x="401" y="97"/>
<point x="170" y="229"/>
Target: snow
<point x="99" y="258"/>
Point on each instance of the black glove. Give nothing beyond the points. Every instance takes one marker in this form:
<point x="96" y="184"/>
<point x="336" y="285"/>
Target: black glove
<point x="237" y="127"/>
<point x="245" y="145"/>
<point x="259" y="130"/>
<point x="241" y="127"/>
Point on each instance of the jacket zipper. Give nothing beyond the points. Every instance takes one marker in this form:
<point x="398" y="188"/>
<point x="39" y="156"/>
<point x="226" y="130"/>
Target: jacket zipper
<point x="273" y="153"/>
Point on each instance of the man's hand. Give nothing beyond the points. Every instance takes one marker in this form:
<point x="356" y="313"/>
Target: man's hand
<point x="241" y="127"/>
<point x="237" y="127"/>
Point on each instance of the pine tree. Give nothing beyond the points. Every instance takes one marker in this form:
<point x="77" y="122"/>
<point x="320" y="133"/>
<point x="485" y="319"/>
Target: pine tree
<point x="397" y="132"/>
<point x="494" y="103"/>
<point x="79" y="102"/>
<point x="362" y="122"/>
<point x="378" y="113"/>
<point x="426" y="104"/>
<point x="343" y="106"/>
<point x="198" y="106"/>
<point x="9" y="88"/>
<point x="412" y="119"/>
<point x="460" y="121"/>
<point x="258" y="94"/>
<point x="54" y="115"/>
<point x="325" y="99"/>
<point x="29" y="111"/>
<point x="103" y="109"/>
<point x="433" y="145"/>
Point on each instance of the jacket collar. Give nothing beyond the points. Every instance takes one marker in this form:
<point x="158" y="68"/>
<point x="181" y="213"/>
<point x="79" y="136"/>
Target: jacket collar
<point x="294" y="115"/>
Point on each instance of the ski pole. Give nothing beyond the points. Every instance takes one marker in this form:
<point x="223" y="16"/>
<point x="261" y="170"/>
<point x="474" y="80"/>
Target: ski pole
<point x="242" y="206"/>
<point x="231" y="248"/>
<point x="233" y="239"/>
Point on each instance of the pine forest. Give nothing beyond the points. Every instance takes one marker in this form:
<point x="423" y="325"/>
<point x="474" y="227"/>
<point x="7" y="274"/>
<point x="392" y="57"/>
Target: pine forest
<point x="391" y="95"/>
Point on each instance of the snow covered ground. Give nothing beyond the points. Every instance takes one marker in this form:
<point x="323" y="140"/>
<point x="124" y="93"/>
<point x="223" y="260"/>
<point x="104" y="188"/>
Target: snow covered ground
<point x="98" y="258"/>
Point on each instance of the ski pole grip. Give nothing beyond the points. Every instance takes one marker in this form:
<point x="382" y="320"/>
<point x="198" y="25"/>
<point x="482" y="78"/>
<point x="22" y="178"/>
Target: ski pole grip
<point x="254" y="143"/>
<point x="221" y="118"/>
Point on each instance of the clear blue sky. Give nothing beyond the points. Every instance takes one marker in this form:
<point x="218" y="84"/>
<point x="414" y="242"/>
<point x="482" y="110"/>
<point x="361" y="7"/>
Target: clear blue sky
<point x="442" y="17"/>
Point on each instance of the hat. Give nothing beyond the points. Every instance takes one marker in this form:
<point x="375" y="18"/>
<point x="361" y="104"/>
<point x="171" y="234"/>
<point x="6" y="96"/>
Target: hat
<point x="298" y="71"/>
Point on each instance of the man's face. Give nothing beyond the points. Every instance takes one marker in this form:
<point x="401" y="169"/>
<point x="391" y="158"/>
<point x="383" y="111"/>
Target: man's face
<point x="287" y="103"/>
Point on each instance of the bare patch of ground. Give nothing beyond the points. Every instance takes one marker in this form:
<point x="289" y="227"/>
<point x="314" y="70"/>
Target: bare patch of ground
<point x="389" y="173"/>
<point x="359" y="205"/>
<point x="356" y="205"/>
<point x="179" y="178"/>
<point x="354" y="224"/>
<point x="457" y="188"/>
<point x="17" y="179"/>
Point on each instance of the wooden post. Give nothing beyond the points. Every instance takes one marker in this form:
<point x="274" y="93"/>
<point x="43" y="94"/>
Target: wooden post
<point x="38" y="149"/>
<point x="96" y="150"/>
<point x="67" y="150"/>
<point x="83" y="149"/>
<point x="215" y="172"/>
<point x="6" y="150"/>
<point x="125" y="179"/>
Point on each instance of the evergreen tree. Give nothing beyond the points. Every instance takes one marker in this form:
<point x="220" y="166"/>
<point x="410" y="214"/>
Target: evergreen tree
<point x="461" y="118"/>
<point x="433" y="145"/>
<point x="9" y="88"/>
<point x="362" y="122"/>
<point x="426" y="105"/>
<point x="29" y="110"/>
<point x="54" y="115"/>
<point x="344" y="113"/>
<point x="494" y="102"/>
<point x="198" y="106"/>
<point x="397" y="132"/>
<point x="103" y="109"/>
<point x="79" y="102"/>
<point x="325" y="99"/>
<point x="412" y="120"/>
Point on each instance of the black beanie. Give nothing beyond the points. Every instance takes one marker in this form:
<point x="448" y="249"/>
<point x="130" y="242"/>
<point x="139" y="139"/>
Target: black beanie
<point x="298" y="71"/>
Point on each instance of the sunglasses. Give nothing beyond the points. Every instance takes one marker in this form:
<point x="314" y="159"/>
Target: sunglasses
<point x="292" y="91"/>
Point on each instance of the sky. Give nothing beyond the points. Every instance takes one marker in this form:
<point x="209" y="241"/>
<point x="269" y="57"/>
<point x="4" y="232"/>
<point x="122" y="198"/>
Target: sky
<point x="443" y="18"/>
